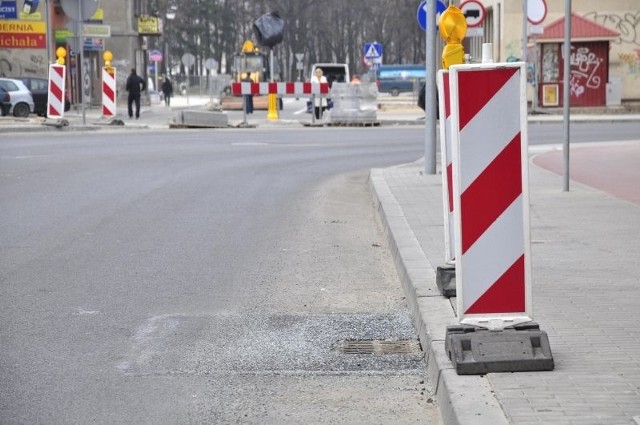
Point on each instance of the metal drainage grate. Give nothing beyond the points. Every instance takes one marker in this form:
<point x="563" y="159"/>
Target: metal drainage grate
<point x="376" y="346"/>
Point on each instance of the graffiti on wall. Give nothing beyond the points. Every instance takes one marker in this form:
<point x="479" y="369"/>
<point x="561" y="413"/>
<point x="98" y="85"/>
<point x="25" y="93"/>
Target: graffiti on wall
<point x="584" y="70"/>
<point x="627" y="24"/>
<point x="632" y="61"/>
<point x="28" y="62"/>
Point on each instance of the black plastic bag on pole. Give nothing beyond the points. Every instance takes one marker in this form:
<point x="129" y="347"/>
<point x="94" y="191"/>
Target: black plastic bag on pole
<point x="269" y="29"/>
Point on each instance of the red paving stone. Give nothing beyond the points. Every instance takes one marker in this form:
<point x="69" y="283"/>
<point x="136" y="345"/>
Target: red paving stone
<point x="613" y="169"/>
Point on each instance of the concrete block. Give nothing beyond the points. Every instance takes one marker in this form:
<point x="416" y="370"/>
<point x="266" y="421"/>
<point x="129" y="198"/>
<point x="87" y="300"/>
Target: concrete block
<point x="446" y="280"/>
<point x="207" y="119"/>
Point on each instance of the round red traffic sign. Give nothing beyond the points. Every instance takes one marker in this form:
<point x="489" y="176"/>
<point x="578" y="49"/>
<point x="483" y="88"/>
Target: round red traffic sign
<point x="473" y="12"/>
<point x="536" y="11"/>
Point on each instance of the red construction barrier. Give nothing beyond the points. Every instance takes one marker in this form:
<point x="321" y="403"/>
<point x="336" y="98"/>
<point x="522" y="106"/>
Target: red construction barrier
<point x="108" y="92"/>
<point x="282" y="89"/>
<point x="56" y="98"/>
<point x="491" y="203"/>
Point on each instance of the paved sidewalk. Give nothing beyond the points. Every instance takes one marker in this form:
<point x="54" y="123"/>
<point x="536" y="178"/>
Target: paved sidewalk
<point x="586" y="291"/>
<point x="157" y="116"/>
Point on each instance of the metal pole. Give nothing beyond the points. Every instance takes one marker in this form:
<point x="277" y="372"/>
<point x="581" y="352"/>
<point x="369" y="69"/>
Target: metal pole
<point x="566" y="99"/>
<point x="271" y="66"/>
<point x="524" y="31"/>
<point x="430" y="91"/>
<point x="47" y="18"/>
<point x="244" y="110"/>
<point x="81" y="65"/>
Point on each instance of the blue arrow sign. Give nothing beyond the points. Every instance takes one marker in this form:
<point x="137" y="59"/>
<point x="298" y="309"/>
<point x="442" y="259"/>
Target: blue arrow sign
<point x="421" y="14"/>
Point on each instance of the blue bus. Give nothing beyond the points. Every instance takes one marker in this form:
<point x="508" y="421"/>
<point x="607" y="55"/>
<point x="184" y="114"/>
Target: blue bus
<point x="396" y="79"/>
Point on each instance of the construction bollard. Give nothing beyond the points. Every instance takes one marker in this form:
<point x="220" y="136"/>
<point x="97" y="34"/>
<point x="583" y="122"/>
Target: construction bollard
<point x="272" y="114"/>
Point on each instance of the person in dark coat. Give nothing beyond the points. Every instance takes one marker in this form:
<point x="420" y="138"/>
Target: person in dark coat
<point x="135" y="85"/>
<point x="248" y="99"/>
<point x="167" y="91"/>
<point x="422" y="100"/>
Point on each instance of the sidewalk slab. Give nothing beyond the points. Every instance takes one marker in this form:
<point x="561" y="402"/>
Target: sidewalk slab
<point x="586" y="291"/>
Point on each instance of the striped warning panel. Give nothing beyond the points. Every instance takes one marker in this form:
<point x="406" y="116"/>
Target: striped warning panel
<point x="282" y="89"/>
<point x="55" y="97"/>
<point x="446" y="163"/>
<point x="488" y="122"/>
<point x="108" y="92"/>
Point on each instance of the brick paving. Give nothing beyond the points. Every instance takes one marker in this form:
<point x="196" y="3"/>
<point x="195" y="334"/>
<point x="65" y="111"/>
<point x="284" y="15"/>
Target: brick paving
<point x="585" y="253"/>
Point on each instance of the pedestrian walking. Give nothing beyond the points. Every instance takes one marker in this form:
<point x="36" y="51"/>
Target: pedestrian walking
<point x="135" y="85"/>
<point x="167" y="91"/>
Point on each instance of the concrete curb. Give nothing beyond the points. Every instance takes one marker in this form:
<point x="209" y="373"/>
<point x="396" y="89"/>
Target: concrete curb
<point x="462" y="399"/>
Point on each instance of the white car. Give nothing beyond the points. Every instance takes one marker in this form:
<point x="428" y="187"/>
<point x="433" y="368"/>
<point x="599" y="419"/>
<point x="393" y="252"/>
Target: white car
<point x="21" y="99"/>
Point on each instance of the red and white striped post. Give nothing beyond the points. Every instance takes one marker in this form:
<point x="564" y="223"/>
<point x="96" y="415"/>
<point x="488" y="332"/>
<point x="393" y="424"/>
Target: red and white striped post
<point x="56" y="90"/>
<point x="490" y="194"/>
<point x="108" y="92"/>
<point x="108" y="86"/>
<point x="446" y="163"/>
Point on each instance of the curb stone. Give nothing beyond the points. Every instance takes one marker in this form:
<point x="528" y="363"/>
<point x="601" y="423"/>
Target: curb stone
<point x="463" y="400"/>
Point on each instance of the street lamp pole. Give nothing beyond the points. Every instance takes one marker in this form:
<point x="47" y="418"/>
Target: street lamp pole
<point x="170" y="15"/>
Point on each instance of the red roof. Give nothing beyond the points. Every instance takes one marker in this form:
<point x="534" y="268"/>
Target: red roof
<point x="581" y="29"/>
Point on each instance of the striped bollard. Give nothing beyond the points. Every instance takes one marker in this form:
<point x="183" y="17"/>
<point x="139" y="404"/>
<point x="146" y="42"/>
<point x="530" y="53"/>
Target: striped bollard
<point x="491" y="204"/>
<point x="56" y="90"/>
<point x="108" y="92"/>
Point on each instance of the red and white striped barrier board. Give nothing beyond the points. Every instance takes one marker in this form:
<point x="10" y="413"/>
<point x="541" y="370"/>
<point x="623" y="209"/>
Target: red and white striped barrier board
<point x="108" y="92"/>
<point x="491" y="202"/>
<point x="446" y="165"/>
<point x="55" y="97"/>
<point x="283" y="89"/>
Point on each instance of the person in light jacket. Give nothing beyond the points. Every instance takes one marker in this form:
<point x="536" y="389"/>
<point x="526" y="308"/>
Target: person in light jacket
<point x="320" y="103"/>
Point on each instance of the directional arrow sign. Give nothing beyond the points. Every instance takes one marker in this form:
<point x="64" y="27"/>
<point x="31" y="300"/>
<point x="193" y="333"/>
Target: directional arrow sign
<point x="421" y="14"/>
<point x="473" y="13"/>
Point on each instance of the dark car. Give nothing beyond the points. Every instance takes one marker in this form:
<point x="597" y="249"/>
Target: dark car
<point x="39" y="88"/>
<point x="396" y="79"/>
<point x="5" y="102"/>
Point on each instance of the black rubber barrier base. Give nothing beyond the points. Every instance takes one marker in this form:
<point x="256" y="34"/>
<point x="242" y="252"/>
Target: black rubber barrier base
<point x="476" y="351"/>
<point x="446" y="280"/>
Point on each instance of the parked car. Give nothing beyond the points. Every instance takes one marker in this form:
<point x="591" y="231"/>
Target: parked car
<point x="21" y="98"/>
<point x="40" y="91"/>
<point x="5" y="102"/>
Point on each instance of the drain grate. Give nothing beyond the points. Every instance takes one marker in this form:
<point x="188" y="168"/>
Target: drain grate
<point x="376" y="346"/>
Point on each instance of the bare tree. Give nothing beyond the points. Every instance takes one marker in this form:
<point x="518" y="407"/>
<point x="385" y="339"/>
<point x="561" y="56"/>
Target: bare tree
<point x="325" y="31"/>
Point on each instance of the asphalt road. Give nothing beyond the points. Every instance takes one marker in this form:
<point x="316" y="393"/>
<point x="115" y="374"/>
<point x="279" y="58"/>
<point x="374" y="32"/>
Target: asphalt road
<point x="202" y="277"/>
<point x="207" y="277"/>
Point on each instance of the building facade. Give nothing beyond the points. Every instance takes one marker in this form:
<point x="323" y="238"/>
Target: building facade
<point x="31" y="31"/>
<point x="503" y="27"/>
